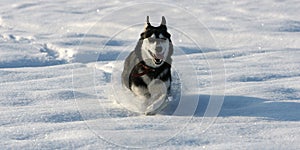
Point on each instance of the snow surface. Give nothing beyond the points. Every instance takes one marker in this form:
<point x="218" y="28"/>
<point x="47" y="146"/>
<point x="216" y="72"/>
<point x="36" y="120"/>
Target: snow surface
<point x="60" y="63"/>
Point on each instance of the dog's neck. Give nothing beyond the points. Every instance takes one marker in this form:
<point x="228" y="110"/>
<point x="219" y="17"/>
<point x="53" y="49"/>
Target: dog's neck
<point x="144" y="68"/>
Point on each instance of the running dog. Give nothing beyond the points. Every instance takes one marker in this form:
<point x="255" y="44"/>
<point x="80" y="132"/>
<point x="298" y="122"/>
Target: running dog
<point x="147" y="69"/>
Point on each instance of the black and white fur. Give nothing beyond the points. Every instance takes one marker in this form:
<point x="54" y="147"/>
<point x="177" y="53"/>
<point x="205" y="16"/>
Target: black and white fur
<point x="147" y="69"/>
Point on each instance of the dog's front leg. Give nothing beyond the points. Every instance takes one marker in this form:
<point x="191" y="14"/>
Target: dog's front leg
<point x="158" y="100"/>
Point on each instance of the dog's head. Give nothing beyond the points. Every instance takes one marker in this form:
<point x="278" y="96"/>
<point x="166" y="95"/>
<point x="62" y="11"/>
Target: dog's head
<point x="155" y="44"/>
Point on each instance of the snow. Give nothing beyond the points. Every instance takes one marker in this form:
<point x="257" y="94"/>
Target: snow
<point x="236" y="75"/>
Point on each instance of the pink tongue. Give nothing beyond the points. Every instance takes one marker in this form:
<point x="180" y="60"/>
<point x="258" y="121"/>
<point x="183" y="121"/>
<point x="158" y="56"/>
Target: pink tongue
<point x="159" y="56"/>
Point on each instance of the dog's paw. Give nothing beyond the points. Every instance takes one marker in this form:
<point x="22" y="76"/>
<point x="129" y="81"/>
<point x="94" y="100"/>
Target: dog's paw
<point x="157" y="106"/>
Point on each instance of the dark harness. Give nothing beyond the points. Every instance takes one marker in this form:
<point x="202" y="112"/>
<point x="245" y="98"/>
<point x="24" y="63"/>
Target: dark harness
<point x="145" y="70"/>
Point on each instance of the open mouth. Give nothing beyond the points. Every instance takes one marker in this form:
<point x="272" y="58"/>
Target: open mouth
<point x="156" y="59"/>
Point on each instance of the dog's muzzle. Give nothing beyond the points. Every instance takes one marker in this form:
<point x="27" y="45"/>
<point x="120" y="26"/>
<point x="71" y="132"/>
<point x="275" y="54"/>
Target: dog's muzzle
<point x="157" y="58"/>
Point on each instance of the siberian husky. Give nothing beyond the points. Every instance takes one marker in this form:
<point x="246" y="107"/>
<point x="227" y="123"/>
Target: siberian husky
<point x="147" y="69"/>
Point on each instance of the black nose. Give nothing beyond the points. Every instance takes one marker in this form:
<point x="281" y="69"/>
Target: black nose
<point x="159" y="49"/>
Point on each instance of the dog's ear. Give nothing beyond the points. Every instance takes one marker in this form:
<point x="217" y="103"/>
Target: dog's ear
<point x="147" y="24"/>
<point x="163" y="24"/>
<point x="163" y="21"/>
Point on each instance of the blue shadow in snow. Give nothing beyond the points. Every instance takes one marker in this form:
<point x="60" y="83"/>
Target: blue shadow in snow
<point x="31" y="62"/>
<point x="248" y="107"/>
<point x="195" y="50"/>
<point x="290" y="26"/>
<point x="108" y="56"/>
<point x="63" y="117"/>
<point x="114" y="43"/>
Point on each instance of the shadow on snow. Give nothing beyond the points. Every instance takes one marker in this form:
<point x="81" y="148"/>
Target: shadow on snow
<point x="247" y="107"/>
